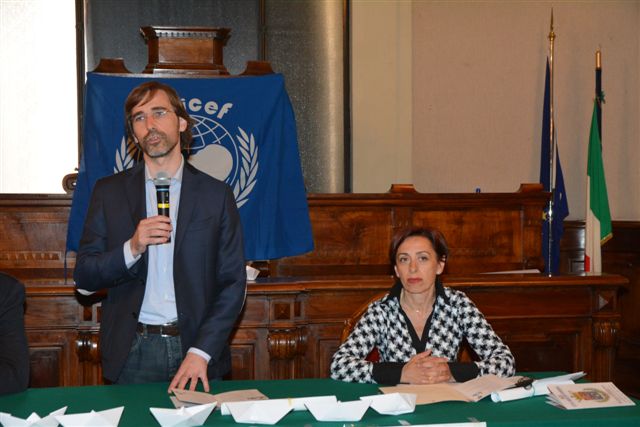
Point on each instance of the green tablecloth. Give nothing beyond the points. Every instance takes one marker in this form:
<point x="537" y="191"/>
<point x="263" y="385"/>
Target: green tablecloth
<point x="137" y="399"/>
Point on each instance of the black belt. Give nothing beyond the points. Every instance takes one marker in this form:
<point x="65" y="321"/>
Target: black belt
<point x="166" y="330"/>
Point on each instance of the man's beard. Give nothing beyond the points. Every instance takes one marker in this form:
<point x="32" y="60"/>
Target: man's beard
<point x="160" y="149"/>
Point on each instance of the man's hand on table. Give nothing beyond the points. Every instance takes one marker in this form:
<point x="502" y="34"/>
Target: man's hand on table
<point x="192" y="369"/>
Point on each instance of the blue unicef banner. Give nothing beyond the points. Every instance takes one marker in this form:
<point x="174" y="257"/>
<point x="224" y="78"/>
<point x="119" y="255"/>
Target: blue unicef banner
<point x="244" y="135"/>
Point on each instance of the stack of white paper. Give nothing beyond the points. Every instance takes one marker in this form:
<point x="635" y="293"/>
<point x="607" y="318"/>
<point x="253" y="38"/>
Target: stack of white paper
<point x="191" y="416"/>
<point x="392" y="404"/>
<point x="106" y="418"/>
<point x="32" y="420"/>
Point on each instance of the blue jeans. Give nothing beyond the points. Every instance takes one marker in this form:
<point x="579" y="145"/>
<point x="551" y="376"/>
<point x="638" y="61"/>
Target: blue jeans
<point x="152" y="358"/>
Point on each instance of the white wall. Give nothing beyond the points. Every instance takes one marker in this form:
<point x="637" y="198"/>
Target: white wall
<point x="477" y="82"/>
<point x="381" y="94"/>
<point x="38" y="121"/>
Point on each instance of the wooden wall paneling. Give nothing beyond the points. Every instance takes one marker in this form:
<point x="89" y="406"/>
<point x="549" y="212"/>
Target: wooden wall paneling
<point x="249" y="340"/>
<point x="88" y="341"/>
<point x="499" y="245"/>
<point x="51" y="322"/>
<point x="347" y="240"/>
<point x="489" y="231"/>
<point x="620" y="255"/>
<point x="47" y="353"/>
<point x="330" y="302"/>
<point x="32" y="235"/>
<point x="271" y="324"/>
<point x="576" y="322"/>
<point x="246" y="347"/>
<point x="572" y="248"/>
<point x="287" y="336"/>
<point x="324" y="343"/>
<point x="552" y="344"/>
<point x="88" y="353"/>
<point x="606" y="328"/>
<point x="286" y="348"/>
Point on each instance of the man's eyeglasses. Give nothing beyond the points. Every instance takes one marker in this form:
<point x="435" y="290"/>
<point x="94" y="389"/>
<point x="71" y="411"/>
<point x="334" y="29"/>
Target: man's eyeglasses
<point x="157" y="114"/>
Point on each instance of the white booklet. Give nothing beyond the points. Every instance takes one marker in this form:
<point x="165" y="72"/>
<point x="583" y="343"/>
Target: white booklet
<point x="587" y="395"/>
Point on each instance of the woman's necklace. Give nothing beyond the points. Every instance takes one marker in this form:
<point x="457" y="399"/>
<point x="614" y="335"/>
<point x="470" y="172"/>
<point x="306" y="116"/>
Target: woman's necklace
<point x="405" y="303"/>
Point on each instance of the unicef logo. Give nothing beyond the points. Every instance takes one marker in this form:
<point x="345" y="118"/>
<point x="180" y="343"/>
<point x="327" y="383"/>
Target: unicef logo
<point x="213" y="150"/>
<point x="216" y="152"/>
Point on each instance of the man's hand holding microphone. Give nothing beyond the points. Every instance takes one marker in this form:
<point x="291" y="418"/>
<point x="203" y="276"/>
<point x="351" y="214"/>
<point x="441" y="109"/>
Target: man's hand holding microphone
<point x="155" y="230"/>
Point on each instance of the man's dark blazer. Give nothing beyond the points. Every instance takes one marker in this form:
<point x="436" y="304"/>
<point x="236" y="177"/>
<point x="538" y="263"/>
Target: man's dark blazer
<point x="14" y="351"/>
<point x="208" y="264"/>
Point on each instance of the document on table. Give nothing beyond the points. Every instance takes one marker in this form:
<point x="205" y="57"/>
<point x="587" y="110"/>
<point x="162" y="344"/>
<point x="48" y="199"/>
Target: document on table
<point x="537" y="388"/>
<point x="469" y="391"/>
<point x="587" y="395"/>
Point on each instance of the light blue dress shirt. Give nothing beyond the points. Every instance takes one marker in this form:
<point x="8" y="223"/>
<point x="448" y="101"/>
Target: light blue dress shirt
<point x="159" y="303"/>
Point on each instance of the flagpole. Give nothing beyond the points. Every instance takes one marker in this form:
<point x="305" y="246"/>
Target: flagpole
<point x="599" y="94"/>
<point x="552" y="151"/>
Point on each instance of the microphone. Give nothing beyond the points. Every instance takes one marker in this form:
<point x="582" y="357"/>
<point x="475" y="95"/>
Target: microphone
<point x="162" y="182"/>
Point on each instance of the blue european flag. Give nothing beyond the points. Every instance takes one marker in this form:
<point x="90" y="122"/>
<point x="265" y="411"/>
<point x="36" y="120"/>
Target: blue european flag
<point x="244" y="135"/>
<point x="560" y="203"/>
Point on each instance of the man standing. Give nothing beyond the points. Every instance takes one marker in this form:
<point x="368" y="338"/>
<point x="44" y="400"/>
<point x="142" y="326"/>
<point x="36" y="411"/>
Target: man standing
<point x="176" y="284"/>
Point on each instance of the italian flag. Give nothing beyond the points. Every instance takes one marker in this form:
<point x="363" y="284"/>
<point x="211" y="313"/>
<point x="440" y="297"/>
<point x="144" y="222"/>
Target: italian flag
<point x="598" y="218"/>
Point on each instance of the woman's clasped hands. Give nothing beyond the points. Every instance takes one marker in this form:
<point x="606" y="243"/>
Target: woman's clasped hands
<point x="423" y="368"/>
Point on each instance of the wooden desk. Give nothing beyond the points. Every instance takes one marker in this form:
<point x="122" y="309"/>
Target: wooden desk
<point x="137" y="399"/>
<point x="290" y="327"/>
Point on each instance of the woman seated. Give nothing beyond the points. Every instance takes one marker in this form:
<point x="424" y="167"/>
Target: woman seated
<point x="419" y="325"/>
